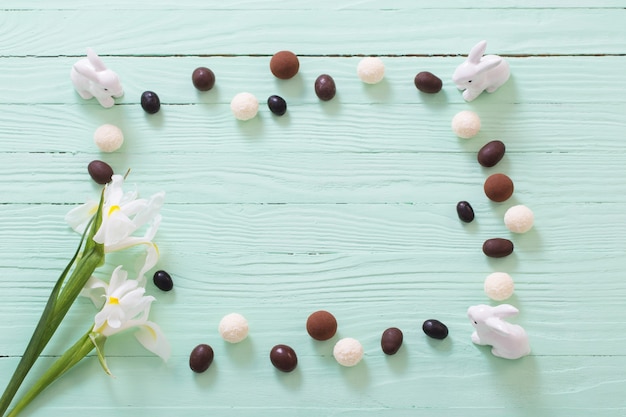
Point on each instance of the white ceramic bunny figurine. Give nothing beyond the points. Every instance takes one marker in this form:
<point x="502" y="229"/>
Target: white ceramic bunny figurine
<point x="509" y="341"/>
<point x="92" y="78"/>
<point x="479" y="73"/>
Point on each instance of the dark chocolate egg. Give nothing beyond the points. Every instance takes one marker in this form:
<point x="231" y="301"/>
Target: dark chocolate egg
<point x="325" y="87"/>
<point x="428" y="82"/>
<point x="490" y="154"/>
<point x="435" y="329"/>
<point x="391" y="340"/>
<point x="201" y="358"/>
<point x="497" y="247"/>
<point x="283" y="358"/>
<point x="100" y="171"/>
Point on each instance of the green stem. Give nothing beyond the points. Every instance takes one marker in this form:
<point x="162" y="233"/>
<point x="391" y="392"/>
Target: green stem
<point x="58" y="304"/>
<point x="71" y="357"/>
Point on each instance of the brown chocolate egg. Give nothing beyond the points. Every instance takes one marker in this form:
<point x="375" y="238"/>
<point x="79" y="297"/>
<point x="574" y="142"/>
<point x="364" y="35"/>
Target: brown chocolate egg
<point x="284" y="65"/>
<point x="490" y="154"/>
<point x="284" y="358"/>
<point x="100" y="171"/>
<point x="201" y="358"/>
<point x="427" y="82"/>
<point x="391" y="340"/>
<point x="203" y="79"/>
<point x="497" y="247"/>
<point x="325" y="88"/>
<point x="498" y="187"/>
<point x="321" y="325"/>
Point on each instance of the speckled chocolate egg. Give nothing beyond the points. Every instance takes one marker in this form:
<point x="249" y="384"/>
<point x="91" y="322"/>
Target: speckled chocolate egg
<point x="325" y="87"/>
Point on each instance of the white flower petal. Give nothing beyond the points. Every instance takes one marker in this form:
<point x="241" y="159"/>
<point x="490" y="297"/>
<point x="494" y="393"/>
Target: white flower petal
<point x="118" y="277"/>
<point x="115" y="228"/>
<point x="152" y="257"/>
<point x="96" y="290"/>
<point x="152" y="338"/>
<point x="78" y="218"/>
<point x="133" y="298"/>
<point x="151" y="208"/>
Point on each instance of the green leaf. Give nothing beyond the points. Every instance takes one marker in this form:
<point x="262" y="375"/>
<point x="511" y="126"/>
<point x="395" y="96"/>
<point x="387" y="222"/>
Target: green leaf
<point x="59" y="302"/>
<point x="71" y="357"/>
<point x="98" y="341"/>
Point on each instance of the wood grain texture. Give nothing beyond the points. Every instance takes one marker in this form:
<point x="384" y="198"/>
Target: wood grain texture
<point x="224" y="32"/>
<point x="347" y="206"/>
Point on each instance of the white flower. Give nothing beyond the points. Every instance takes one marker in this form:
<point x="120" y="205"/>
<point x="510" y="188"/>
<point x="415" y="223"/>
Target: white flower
<point x="123" y="214"/>
<point x="126" y="307"/>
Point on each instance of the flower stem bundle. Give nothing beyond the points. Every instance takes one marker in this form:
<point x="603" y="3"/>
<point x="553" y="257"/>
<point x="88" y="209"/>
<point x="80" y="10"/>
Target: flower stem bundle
<point x="106" y="226"/>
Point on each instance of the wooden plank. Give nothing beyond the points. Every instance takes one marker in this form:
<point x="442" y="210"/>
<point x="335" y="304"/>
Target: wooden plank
<point x="534" y="80"/>
<point x="308" y="129"/>
<point x="310" y="178"/>
<point x="347" y="205"/>
<point x="245" y="5"/>
<point x="235" y="377"/>
<point x="441" y="32"/>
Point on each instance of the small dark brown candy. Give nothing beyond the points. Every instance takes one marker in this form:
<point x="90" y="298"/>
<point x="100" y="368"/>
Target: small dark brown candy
<point x="435" y="329"/>
<point x="428" y="82"/>
<point x="163" y="280"/>
<point x="391" y="340"/>
<point x="150" y="102"/>
<point x="100" y="171"/>
<point x="203" y="78"/>
<point x="498" y="187"/>
<point x="490" y="154"/>
<point x="465" y="211"/>
<point x="325" y="87"/>
<point x="321" y="325"/>
<point x="201" y="358"/>
<point x="283" y="358"/>
<point x="497" y="247"/>
<point x="277" y="105"/>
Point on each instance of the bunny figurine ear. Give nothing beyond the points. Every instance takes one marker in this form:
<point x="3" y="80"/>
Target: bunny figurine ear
<point x="477" y="52"/>
<point x="504" y="310"/>
<point x="498" y="326"/>
<point x="95" y="60"/>
<point x="486" y="65"/>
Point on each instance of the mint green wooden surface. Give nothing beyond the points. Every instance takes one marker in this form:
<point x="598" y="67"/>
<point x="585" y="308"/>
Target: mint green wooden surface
<point x="347" y="206"/>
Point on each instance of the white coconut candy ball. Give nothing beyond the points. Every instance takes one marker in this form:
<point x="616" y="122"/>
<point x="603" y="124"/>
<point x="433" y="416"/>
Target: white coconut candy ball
<point x="233" y="328"/>
<point x="244" y="106"/>
<point x="519" y="219"/>
<point x="108" y="138"/>
<point x="348" y="351"/>
<point x="499" y="286"/>
<point x="371" y="70"/>
<point x="466" y="124"/>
